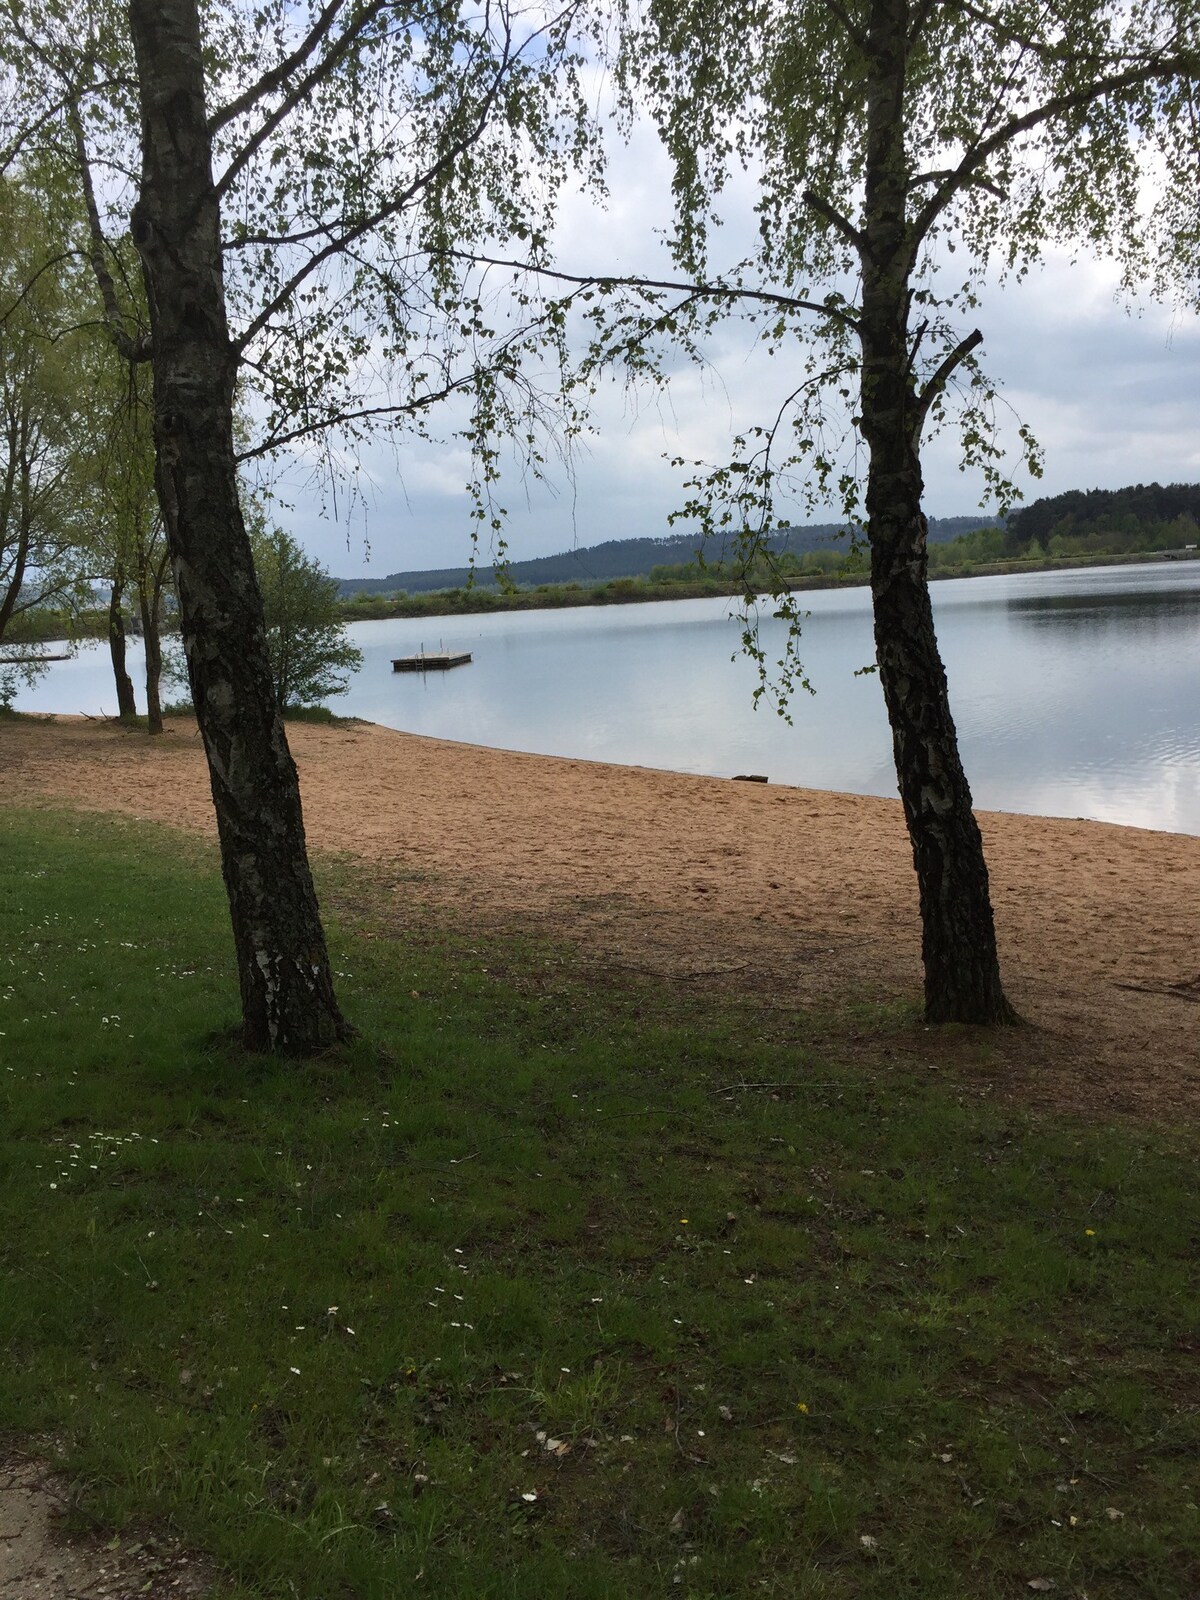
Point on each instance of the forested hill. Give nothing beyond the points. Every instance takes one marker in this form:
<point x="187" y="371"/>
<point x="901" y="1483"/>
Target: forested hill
<point x="1144" y="513"/>
<point x="628" y="558"/>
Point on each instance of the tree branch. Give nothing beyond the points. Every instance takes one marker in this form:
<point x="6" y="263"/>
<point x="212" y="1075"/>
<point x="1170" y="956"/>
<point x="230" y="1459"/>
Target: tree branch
<point x="938" y="380"/>
<point x="919" y="19"/>
<point x="248" y="241"/>
<point x="976" y="181"/>
<point x="834" y="217"/>
<point x="129" y="347"/>
<point x="278" y="75"/>
<point x="25" y="135"/>
<point x="966" y="172"/>
<point x="704" y="291"/>
<point x="29" y="286"/>
<point x="305" y="430"/>
<point x="853" y="32"/>
<point x="300" y="90"/>
<point x="1003" y="31"/>
<point x="1048" y="53"/>
<point x="398" y="202"/>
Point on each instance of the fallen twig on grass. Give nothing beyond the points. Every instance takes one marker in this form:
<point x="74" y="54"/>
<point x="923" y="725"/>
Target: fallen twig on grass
<point x="743" y="1088"/>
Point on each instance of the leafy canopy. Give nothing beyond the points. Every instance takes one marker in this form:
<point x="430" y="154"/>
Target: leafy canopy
<point x="1024" y="125"/>
<point x="41" y="453"/>
<point x="361" y="152"/>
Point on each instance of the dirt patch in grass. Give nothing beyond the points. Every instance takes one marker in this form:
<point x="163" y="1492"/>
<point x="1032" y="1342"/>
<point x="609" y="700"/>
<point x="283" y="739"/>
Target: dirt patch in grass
<point x="803" y="898"/>
<point x="41" y="1560"/>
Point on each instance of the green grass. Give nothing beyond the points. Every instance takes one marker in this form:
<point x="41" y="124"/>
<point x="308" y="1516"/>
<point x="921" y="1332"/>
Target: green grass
<point x="854" y="1334"/>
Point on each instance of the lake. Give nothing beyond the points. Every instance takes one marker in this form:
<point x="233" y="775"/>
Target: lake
<point x="1075" y="693"/>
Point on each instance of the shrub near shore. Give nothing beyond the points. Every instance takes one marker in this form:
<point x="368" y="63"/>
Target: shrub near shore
<point x="563" y="1288"/>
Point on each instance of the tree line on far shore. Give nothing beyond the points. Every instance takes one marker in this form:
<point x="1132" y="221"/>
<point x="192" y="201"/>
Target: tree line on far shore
<point x="1119" y="523"/>
<point x="306" y="607"/>
<point x="1143" y="516"/>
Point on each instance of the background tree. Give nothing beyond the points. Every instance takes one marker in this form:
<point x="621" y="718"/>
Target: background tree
<point x="114" y="481"/>
<point x="884" y="136"/>
<point x="40" y="561"/>
<point x="341" y="144"/>
<point x="311" y="657"/>
<point x="133" y="520"/>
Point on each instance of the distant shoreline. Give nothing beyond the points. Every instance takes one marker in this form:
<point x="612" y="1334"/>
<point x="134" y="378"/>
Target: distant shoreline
<point x="640" y="591"/>
<point x="478" y="601"/>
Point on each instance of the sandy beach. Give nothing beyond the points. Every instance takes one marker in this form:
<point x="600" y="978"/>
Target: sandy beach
<point x="798" y="896"/>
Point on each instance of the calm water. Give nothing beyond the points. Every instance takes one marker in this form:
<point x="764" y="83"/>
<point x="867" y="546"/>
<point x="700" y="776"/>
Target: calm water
<point x="1075" y="694"/>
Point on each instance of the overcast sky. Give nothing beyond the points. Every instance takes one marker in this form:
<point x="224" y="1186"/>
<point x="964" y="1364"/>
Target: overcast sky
<point x="1112" y="393"/>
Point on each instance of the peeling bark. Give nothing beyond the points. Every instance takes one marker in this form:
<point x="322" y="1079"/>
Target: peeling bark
<point x="288" y="1003"/>
<point x="958" y="938"/>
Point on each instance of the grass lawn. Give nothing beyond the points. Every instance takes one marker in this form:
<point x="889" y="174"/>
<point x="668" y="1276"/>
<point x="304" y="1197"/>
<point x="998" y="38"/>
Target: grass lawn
<point x="547" y="1289"/>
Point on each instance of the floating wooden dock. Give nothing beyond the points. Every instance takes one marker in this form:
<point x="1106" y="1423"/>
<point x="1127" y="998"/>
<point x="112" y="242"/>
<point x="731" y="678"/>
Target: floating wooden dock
<point x="434" y="661"/>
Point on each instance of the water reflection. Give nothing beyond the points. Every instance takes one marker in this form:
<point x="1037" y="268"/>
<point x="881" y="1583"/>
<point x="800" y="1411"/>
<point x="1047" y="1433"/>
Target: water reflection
<point x="1142" y="611"/>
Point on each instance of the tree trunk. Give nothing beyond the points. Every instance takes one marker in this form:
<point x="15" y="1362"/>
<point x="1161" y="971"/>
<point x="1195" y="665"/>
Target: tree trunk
<point x="126" y="704"/>
<point x="150" y="605"/>
<point x="288" y="1003"/>
<point x="958" y="937"/>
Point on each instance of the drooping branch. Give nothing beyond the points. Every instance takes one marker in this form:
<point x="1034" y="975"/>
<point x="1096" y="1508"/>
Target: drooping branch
<point x="824" y="379"/>
<point x="398" y="202"/>
<point x="853" y="32"/>
<point x="404" y="408"/>
<point x="414" y="406"/>
<point x="1050" y="53"/>
<point x="1006" y="31"/>
<point x="33" y="129"/>
<point x="919" y="18"/>
<point x="279" y="74"/>
<point x="300" y="91"/>
<point x="31" y="284"/>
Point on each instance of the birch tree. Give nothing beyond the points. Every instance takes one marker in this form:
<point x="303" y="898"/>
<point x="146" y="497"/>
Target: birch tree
<point x="296" y="165"/>
<point x="902" y="149"/>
